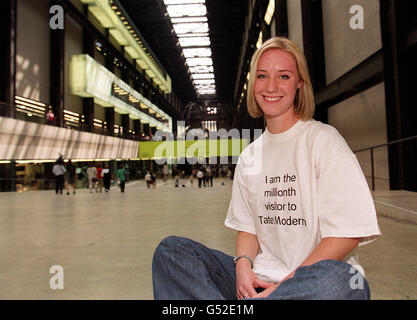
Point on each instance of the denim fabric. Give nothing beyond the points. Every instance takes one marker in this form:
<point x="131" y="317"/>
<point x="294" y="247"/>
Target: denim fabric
<point x="183" y="269"/>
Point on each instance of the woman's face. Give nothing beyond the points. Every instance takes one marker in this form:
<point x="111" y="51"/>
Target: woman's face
<point x="276" y="83"/>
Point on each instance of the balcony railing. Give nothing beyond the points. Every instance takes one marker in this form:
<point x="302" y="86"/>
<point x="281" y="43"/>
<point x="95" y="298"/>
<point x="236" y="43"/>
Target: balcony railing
<point x="71" y="120"/>
<point x="372" y="154"/>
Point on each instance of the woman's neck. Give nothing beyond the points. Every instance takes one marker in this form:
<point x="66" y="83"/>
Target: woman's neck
<point x="282" y="123"/>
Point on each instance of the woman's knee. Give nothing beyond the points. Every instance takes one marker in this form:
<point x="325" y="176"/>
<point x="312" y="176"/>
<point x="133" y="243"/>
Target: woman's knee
<point x="340" y="281"/>
<point x="171" y="244"/>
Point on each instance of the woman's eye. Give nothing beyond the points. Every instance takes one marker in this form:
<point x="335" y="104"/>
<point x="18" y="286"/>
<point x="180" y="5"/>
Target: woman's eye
<point x="260" y="76"/>
<point x="285" y="77"/>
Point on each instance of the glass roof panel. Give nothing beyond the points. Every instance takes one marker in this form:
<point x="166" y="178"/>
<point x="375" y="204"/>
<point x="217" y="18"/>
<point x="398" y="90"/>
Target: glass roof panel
<point x="204" y="87"/>
<point x="201" y="69"/>
<point x="194" y="41"/>
<point x="186" y="10"/>
<point x="207" y="91"/>
<point x="199" y="62"/>
<point x="204" y="81"/>
<point x="197" y="52"/>
<point x="167" y="2"/>
<point x="202" y="76"/>
<point x="189" y="19"/>
<point x="181" y="28"/>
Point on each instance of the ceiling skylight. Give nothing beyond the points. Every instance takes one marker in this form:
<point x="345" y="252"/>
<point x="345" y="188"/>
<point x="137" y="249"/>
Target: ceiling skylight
<point x="186" y="10"/>
<point x="189" y="20"/>
<point x="194" y="41"/>
<point x="167" y="2"/>
<point x="202" y="76"/>
<point x="200" y="27"/>
<point x="196" y="52"/>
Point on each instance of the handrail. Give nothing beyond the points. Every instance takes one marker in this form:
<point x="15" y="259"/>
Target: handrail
<point x="386" y="144"/>
<point x="371" y="149"/>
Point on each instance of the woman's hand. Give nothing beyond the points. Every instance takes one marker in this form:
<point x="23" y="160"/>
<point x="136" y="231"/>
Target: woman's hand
<point x="270" y="289"/>
<point x="247" y="281"/>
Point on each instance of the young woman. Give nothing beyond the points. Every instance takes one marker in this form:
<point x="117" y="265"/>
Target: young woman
<point x="300" y="203"/>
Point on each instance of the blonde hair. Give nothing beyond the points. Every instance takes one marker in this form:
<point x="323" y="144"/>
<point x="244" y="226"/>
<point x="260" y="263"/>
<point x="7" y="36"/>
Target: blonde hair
<point x="304" y="98"/>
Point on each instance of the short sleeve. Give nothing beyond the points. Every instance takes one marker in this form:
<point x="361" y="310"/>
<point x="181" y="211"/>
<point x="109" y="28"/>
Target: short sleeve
<point x="239" y="215"/>
<point x="346" y="207"/>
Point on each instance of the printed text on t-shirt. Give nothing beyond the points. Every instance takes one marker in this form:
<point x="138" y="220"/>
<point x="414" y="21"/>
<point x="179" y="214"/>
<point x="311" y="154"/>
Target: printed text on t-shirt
<point x="283" y="203"/>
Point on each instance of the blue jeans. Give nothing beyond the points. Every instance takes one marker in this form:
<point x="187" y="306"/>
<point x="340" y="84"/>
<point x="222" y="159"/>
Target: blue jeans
<point x="183" y="269"/>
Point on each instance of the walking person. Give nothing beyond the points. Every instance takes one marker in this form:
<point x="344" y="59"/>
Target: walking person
<point x="295" y="246"/>
<point x="209" y="176"/>
<point x="72" y="176"/>
<point x="177" y="179"/>
<point x="106" y="178"/>
<point x="92" y="176"/>
<point x="121" y="175"/>
<point x="59" y="171"/>
<point x="165" y="172"/>
<point x="99" y="179"/>
<point x="191" y="178"/>
<point x="153" y="179"/>
<point x="200" y="177"/>
<point x="148" y="179"/>
<point x="222" y="174"/>
<point x="205" y="178"/>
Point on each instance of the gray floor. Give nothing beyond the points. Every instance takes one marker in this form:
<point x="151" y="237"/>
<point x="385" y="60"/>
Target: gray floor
<point x="105" y="241"/>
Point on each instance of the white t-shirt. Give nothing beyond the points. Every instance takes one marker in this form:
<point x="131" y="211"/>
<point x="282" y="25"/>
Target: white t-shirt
<point x="91" y="172"/>
<point x="295" y="188"/>
<point x="58" y="169"/>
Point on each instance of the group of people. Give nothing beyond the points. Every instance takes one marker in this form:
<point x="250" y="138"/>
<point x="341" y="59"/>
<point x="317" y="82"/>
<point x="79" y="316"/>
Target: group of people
<point x="150" y="179"/>
<point x="97" y="176"/>
<point x="60" y="171"/>
<point x="205" y="174"/>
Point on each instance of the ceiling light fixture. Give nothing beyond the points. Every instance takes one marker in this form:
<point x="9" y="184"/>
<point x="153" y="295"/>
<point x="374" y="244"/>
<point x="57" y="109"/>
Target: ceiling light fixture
<point x="190" y="24"/>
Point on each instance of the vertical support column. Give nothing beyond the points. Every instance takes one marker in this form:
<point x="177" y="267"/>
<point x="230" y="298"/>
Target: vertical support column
<point x="136" y="127"/>
<point x="8" y="13"/>
<point x="88" y="112"/>
<point x="313" y="41"/>
<point x="125" y="124"/>
<point x="281" y="18"/>
<point x="153" y="130"/>
<point x="392" y="91"/>
<point x="109" y="116"/>
<point x="57" y="70"/>
<point x="146" y="129"/>
<point x="109" y="64"/>
<point x="400" y="113"/>
<point x="88" y="43"/>
<point x="8" y="173"/>
<point x="88" y="103"/>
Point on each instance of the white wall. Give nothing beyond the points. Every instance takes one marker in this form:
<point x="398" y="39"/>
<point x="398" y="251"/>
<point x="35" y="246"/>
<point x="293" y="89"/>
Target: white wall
<point x="73" y="46"/>
<point x="361" y="120"/>
<point x="345" y="48"/>
<point x="295" y="25"/>
<point x="33" y="50"/>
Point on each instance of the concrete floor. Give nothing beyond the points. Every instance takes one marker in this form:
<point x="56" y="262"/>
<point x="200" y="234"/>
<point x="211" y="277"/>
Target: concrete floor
<point x="105" y="241"/>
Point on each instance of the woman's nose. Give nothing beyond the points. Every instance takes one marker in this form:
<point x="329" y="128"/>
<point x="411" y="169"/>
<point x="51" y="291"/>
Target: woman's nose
<point x="272" y="85"/>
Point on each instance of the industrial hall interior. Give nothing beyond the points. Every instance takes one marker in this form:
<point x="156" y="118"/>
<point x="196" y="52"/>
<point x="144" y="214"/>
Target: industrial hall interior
<point x="122" y="122"/>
